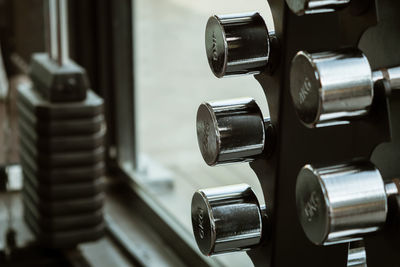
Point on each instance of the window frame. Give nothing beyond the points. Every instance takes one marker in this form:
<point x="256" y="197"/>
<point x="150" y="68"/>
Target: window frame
<point x="108" y="55"/>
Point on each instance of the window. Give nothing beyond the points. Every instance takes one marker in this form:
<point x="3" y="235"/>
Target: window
<point x="172" y="79"/>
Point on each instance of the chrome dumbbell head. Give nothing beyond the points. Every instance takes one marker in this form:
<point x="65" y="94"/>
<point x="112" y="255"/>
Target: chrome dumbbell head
<point x="301" y="7"/>
<point x="340" y="203"/>
<point x="329" y="88"/>
<point x="237" y="44"/>
<point x="230" y="131"/>
<point x="226" y="219"/>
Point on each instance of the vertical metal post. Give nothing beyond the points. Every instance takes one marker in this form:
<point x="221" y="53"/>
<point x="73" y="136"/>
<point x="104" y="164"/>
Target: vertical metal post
<point x="3" y="79"/>
<point x="51" y="29"/>
<point x="56" y="28"/>
<point x="62" y="32"/>
<point x="123" y="54"/>
<point x="47" y="35"/>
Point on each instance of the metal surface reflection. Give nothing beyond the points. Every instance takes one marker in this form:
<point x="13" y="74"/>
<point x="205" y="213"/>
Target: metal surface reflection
<point x="391" y="75"/>
<point x="330" y="85"/>
<point x="357" y="256"/>
<point x="331" y="88"/>
<point x="230" y="131"/>
<point x="226" y="219"/>
<point x="302" y="7"/>
<point x="237" y="44"/>
<point x="340" y="203"/>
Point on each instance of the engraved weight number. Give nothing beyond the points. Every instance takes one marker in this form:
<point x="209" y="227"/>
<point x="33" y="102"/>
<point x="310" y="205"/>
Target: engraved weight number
<point x="311" y="206"/>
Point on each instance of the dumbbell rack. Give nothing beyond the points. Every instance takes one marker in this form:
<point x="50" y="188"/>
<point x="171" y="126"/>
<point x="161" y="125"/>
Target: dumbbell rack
<point x="373" y="26"/>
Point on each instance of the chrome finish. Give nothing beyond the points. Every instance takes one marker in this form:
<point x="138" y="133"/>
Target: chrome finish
<point x="391" y="188"/>
<point x="304" y="7"/>
<point x="392" y="75"/>
<point x="357" y="257"/>
<point x="377" y="76"/>
<point x="226" y="219"/>
<point x="237" y="44"/>
<point x="4" y="85"/>
<point x="230" y="131"/>
<point x="329" y="88"/>
<point x="56" y="28"/>
<point x="50" y="25"/>
<point x="340" y="203"/>
<point x="62" y="32"/>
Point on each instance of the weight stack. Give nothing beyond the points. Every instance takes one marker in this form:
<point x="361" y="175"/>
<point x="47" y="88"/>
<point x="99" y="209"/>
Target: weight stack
<point x="62" y="158"/>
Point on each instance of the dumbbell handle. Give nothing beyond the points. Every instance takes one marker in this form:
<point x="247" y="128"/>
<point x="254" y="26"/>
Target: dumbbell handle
<point x="392" y="187"/>
<point x="56" y="30"/>
<point x="392" y="75"/>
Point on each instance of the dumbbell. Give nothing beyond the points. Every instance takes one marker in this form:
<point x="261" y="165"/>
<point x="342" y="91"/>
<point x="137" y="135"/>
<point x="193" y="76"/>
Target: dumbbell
<point x="342" y="203"/>
<point x="305" y="7"/>
<point x="226" y="219"/>
<point x="232" y="131"/>
<point x="331" y="88"/>
<point x="237" y="44"/>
